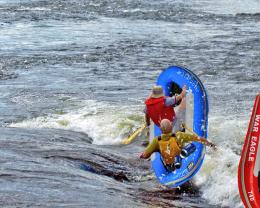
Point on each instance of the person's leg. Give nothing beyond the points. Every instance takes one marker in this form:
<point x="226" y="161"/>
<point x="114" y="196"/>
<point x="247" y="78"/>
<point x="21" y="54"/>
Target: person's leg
<point x="177" y="162"/>
<point x="180" y="116"/>
<point x="169" y="168"/>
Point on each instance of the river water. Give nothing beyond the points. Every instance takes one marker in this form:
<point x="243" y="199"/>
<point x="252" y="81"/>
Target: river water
<point x="73" y="78"/>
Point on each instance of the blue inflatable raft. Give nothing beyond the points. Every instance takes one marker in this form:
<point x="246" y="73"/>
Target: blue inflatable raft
<point x="195" y="117"/>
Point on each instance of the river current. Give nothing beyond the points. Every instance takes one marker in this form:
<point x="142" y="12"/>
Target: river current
<point x="73" y="78"/>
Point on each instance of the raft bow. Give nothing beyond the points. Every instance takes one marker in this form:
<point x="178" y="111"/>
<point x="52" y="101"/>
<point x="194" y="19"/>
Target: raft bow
<point x="196" y="116"/>
<point x="249" y="165"/>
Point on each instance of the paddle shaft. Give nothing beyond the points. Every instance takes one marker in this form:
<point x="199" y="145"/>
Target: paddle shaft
<point x="134" y="135"/>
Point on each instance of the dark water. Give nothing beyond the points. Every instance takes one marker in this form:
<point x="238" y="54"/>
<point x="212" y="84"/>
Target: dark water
<point x="73" y="77"/>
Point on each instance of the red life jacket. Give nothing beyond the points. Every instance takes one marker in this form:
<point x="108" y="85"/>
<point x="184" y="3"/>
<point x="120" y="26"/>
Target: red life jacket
<point x="157" y="110"/>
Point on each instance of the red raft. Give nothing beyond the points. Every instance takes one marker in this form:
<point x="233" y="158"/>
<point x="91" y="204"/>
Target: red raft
<point x="249" y="165"/>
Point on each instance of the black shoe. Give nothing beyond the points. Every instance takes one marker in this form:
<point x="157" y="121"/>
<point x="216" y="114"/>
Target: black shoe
<point x="187" y="150"/>
<point x="170" y="168"/>
<point x="177" y="162"/>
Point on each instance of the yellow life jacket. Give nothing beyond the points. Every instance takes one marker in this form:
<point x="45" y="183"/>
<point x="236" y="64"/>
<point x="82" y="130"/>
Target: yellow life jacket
<point x="169" y="149"/>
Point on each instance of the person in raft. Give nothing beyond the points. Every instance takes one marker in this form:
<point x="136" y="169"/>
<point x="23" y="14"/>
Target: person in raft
<point x="159" y="107"/>
<point x="172" y="146"/>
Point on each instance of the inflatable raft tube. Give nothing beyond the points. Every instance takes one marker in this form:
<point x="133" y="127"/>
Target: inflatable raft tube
<point x="249" y="165"/>
<point x="195" y="117"/>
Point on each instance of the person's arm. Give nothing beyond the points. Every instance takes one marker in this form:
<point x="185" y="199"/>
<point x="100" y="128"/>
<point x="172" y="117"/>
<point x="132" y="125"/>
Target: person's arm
<point x="182" y="95"/>
<point x="146" y="117"/>
<point x="152" y="147"/>
<point x="205" y="141"/>
<point x="172" y="101"/>
<point x="147" y="120"/>
<point x="184" y="137"/>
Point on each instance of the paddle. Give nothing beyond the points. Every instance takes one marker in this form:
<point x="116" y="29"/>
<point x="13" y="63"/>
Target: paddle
<point x="134" y="135"/>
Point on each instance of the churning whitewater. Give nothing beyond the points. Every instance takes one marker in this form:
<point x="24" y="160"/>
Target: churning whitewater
<point x="74" y="76"/>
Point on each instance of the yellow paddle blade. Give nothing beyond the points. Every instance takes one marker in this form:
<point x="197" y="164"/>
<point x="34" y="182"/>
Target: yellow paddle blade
<point x="134" y="135"/>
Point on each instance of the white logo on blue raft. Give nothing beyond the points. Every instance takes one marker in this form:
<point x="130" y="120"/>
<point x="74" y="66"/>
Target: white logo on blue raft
<point x="189" y="78"/>
<point x="190" y="166"/>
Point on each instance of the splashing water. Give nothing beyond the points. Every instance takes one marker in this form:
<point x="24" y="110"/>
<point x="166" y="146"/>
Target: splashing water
<point x="104" y="123"/>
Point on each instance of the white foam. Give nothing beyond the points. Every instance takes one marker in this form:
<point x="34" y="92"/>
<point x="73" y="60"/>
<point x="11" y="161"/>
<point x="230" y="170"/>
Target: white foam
<point x="103" y="122"/>
<point x="108" y="124"/>
<point x="218" y="178"/>
<point x="34" y="9"/>
<point x="218" y="175"/>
